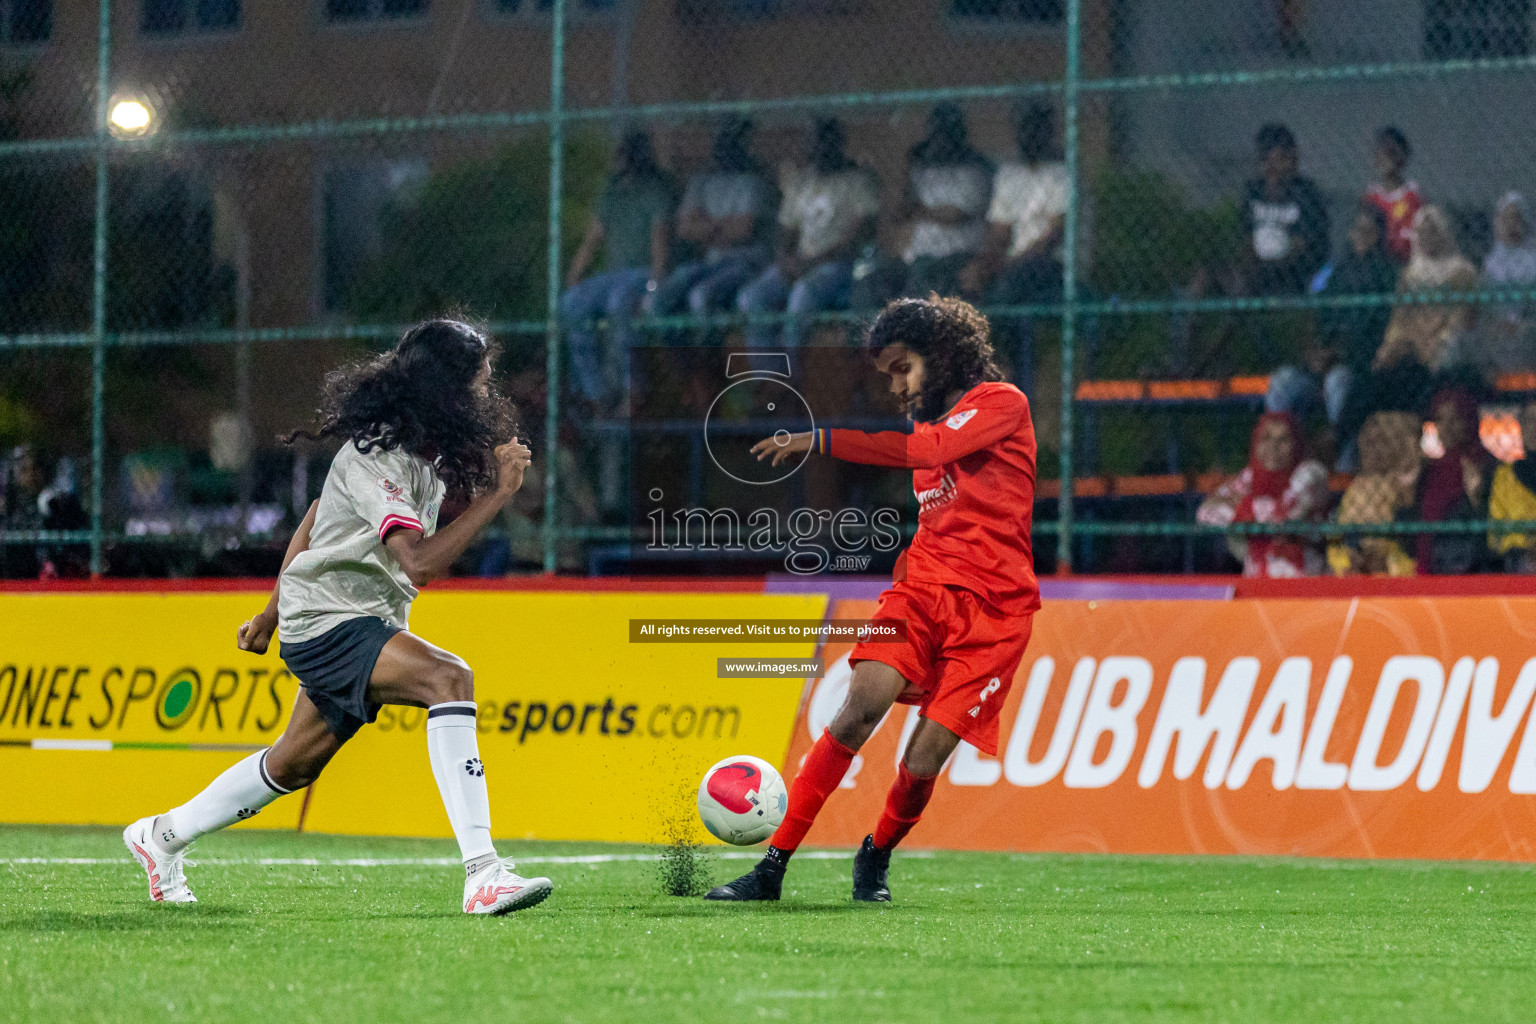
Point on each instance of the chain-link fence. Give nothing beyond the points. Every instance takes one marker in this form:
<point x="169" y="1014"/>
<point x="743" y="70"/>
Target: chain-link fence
<point x="1178" y="217"/>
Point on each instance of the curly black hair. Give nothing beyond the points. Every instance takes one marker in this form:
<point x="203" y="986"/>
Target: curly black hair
<point x="423" y="396"/>
<point x="954" y="340"/>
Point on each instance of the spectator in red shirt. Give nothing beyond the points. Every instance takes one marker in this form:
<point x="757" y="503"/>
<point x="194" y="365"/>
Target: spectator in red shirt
<point x="1279" y="484"/>
<point x="1395" y="196"/>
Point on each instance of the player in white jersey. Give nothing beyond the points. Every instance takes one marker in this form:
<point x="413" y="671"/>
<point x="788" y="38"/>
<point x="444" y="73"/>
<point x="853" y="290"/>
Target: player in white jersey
<point x="421" y="422"/>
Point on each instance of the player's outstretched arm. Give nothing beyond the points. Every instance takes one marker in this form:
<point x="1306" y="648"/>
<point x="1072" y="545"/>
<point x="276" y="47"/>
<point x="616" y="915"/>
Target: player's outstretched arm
<point x="781" y="446"/>
<point x="424" y="559"/>
<point x="970" y="428"/>
<point x="256" y="632"/>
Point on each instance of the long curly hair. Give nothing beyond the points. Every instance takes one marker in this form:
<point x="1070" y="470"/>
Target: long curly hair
<point x="954" y="340"/>
<point x="423" y="396"/>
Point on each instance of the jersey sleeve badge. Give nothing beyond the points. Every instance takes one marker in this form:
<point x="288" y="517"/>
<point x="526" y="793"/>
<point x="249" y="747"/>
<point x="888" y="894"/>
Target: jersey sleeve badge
<point x="392" y="491"/>
<point x="959" y="419"/>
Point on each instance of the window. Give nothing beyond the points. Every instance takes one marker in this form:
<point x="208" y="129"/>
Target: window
<point x="1009" y="11"/>
<point x="695" y="12"/>
<point x="1475" y="29"/>
<point x="356" y="204"/>
<point x="374" y="10"/>
<point x="178" y="17"/>
<point x="545" y="6"/>
<point x="28" y="21"/>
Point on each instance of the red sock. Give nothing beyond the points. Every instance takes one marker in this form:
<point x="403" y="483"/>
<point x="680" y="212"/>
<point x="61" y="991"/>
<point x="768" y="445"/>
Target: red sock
<point x="903" y="807"/>
<point x="824" y="768"/>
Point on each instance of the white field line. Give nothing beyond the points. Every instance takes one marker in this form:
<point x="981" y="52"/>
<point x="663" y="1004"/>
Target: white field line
<point x="42" y="744"/>
<point x="435" y="862"/>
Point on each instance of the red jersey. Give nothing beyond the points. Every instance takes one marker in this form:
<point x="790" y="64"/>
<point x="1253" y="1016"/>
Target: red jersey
<point x="974" y="476"/>
<point x="1398" y="208"/>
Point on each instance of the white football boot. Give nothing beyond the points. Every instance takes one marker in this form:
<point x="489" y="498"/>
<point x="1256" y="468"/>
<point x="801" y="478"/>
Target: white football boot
<point x="167" y="880"/>
<point x="495" y="890"/>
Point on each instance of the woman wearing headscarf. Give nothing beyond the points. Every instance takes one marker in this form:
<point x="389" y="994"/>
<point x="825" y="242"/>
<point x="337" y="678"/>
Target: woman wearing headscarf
<point x="1513" y="498"/>
<point x="1279" y="485"/>
<point x="1510" y="264"/>
<point x="1422" y="334"/>
<point x="1454" y="486"/>
<point x="1382" y="492"/>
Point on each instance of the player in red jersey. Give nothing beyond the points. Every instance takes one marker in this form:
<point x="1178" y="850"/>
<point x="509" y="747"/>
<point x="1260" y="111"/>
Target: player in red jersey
<point x="965" y="588"/>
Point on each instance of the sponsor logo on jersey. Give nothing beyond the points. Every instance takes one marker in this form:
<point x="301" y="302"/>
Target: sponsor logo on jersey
<point x="392" y="491"/>
<point x="959" y="419"/>
<point x="933" y="497"/>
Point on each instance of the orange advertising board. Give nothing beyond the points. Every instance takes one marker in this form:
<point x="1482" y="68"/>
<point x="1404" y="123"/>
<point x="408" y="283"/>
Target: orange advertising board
<point x="1338" y="728"/>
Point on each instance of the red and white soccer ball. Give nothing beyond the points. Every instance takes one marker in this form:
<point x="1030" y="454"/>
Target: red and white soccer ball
<point x="742" y="800"/>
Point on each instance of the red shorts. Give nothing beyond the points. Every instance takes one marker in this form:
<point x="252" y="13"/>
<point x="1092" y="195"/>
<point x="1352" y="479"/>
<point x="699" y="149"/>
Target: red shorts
<point x="959" y="657"/>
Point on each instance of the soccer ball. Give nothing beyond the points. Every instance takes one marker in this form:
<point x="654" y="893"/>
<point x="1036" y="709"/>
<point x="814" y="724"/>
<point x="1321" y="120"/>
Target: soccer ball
<point x="742" y="800"/>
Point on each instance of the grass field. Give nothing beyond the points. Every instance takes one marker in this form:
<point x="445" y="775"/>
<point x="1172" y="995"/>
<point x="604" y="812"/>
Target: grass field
<point x="971" y="937"/>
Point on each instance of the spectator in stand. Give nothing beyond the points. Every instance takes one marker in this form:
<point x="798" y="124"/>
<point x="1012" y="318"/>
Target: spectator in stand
<point x="27" y="504"/>
<point x="1285" y="218"/>
<point x="23" y="487"/>
<point x="1454" y="487"/>
<point x="949" y="188"/>
<point x="1285" y="222"/>
<point x="1511" y="264"/>
<point x="63" y="511"/>
<point x="727" y="212"/>
<point x="632" y="227"/>
<point x="1279" y="485"/>
<point x="1426" y="338"/>
<point x="1513" y="499"/>
<point x="1397" y="198"/>
<point x="1020" y="260"/>
<point x="1382" y="492"/>
<point x="827" y="216"/>
<point x="1347" y="337"/>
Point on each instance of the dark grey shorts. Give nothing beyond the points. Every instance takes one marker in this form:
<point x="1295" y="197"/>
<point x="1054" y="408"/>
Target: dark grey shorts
<point x="334" y="669"/>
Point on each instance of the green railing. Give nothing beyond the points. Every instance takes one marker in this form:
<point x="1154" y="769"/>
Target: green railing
<point x="1070" y="92"/>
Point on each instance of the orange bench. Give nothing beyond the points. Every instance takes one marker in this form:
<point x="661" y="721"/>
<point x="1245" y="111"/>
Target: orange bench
<point x="1127" y="391"/>
<point x="1161" y="485"/>
<point x="1244" y="387"/>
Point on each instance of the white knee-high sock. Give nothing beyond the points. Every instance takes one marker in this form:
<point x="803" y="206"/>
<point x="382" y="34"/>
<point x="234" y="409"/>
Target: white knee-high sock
<point x="240" y="793"/>
<point x="454" y="750"/>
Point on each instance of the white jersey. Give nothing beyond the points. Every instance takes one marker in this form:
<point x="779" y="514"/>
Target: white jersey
<point x="347" y="572"/>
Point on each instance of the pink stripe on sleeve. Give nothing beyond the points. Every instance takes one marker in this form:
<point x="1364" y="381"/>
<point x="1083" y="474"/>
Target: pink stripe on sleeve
<point x="404" y="522"/>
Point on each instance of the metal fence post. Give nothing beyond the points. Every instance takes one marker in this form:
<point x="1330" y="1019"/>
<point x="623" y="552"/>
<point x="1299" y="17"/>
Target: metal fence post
<point x="552" y="300"/>
<point x="99" y="286"/>
<point x="1069" y="283"/>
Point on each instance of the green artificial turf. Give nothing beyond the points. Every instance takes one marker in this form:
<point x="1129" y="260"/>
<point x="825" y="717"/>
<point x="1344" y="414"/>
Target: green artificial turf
<point x="971" y="937"/>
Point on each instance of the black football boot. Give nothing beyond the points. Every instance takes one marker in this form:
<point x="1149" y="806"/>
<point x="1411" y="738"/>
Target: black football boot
<point x="763" y="882"/>
<point x="870" y="865"/>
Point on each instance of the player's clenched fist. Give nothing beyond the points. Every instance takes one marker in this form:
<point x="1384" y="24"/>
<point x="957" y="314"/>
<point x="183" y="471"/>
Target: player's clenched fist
<point x="256" y="632"/>
<point x="781" y="446"/>
<point x="512" y="460"/>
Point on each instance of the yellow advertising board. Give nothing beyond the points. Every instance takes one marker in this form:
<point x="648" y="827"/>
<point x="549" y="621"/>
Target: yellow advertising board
<point x="114" y="705"/>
